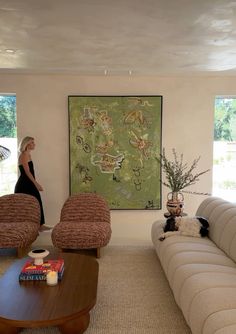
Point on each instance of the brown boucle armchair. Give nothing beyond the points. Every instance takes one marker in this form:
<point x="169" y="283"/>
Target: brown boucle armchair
<point x="19" y="221"/>
<point x="84" y="223"/>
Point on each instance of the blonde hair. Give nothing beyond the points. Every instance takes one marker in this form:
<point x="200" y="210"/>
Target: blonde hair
<point x="24" y="142"/>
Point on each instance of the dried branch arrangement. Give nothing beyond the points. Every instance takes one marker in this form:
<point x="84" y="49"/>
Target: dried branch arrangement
<point x="178" y="174"/>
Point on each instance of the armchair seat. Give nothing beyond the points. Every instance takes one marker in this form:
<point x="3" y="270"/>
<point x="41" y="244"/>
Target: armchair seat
<point x="82" y="235"/>
<point x="18" y="235"/>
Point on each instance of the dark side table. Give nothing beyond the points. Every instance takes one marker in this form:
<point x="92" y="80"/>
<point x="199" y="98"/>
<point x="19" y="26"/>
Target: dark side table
<point x="168" y="215"/>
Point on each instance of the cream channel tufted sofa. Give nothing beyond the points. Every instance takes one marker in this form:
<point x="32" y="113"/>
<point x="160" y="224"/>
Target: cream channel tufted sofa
<point x="202" y="271"/>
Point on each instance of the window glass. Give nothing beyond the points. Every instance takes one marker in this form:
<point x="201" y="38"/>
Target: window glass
<point x="8" y="144"/>
<point x="224" y="160"/>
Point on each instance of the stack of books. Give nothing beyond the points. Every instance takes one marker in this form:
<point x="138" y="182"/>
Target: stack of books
<point x="33" y="272"/>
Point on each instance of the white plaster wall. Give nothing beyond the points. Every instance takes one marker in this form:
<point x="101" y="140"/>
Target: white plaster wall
<point x="188" y="112"/>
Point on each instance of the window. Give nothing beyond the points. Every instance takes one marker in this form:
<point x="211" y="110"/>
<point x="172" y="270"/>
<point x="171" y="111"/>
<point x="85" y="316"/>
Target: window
<point x="224" y="163"/>
<point x="8" y="144"/>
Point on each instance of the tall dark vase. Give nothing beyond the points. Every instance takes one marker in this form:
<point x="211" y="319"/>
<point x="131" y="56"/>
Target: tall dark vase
<point x="175" y="203"/>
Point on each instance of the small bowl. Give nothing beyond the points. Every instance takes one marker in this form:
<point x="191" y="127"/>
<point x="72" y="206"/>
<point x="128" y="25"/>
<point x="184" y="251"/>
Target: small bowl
<point x="38" y="255"/>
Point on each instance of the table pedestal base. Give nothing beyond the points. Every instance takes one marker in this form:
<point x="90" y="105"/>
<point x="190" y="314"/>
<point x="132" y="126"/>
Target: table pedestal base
<point x="5" y="329"/>
<point x="75" y="326"/>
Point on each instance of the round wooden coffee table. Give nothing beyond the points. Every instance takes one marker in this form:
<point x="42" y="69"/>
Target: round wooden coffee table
<point x="31" y="304"/>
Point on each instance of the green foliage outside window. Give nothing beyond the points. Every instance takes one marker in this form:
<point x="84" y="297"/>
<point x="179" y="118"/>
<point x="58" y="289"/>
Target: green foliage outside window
<point x="8" y="116"/>
<point x="225" y="119"/>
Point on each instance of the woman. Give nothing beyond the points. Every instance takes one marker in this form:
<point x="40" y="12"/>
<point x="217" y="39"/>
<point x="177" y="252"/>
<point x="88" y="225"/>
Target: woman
<point x="27" y="183"/>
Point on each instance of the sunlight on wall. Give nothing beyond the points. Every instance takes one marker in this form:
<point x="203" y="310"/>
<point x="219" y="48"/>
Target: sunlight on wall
<point x="224" y="167"/>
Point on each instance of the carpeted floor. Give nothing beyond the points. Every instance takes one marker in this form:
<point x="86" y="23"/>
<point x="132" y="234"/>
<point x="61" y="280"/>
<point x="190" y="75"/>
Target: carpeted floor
<point x="133" y="295"/>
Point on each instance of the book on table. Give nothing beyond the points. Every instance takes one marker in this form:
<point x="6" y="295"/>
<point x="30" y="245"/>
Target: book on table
<point x="30" y="271"/>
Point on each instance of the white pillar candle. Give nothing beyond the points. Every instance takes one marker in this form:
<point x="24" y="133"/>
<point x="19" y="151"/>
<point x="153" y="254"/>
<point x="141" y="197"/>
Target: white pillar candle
<point x="52" y="277"/>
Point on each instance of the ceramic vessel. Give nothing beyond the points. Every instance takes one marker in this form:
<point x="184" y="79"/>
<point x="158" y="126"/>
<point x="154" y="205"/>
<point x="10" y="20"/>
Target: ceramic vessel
<point x="38" y="255"/>
<point x="175" y="203"/>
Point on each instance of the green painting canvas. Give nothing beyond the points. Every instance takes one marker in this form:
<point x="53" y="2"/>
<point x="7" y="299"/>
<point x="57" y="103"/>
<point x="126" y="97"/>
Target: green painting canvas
<point x="113" y="144"/>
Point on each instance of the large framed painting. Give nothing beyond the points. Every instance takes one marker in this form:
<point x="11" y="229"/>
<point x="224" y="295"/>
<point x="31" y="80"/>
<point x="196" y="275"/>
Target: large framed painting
<point x="113" y="144"/>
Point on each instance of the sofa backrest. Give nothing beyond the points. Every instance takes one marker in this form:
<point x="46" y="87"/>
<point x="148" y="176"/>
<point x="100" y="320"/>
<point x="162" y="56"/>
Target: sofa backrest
<point x="221" y="216"/>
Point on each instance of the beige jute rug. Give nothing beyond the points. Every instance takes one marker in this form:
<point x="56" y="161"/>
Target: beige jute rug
<point x="133" y="295"/>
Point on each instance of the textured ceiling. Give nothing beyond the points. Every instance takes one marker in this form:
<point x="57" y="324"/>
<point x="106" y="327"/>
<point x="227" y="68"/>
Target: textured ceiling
<point x="118" y="37"/>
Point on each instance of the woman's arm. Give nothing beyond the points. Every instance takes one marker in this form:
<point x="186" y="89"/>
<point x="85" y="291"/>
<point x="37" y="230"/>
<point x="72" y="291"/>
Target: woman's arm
<point x="24" y="158"/>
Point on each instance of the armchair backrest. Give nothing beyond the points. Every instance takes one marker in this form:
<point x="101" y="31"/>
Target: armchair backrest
<point x="86" y="207"/>
<point x="19" y="208"/>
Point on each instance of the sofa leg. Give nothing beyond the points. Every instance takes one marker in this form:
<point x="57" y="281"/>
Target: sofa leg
<point x="98" y="252"/>
<point x="21" y="252"/>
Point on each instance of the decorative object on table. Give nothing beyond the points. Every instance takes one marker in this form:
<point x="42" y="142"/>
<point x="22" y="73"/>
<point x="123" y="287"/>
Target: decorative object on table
<point x="32" y="272"/>
<point x="113" y="140"/>
<point x="52" y="277"/>
<point x="4" y="153"/>
<point x="178" y="176"/>
<point x="175" y="203"/>
<point x="38" y="255"/>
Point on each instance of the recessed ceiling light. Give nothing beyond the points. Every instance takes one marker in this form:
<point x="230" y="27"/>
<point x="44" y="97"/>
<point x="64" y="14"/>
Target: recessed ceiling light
<point x="10" y="50"/>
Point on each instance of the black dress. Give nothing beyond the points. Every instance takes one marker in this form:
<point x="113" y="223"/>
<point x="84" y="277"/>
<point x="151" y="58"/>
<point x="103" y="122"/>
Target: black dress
<point x="26" y="186"/>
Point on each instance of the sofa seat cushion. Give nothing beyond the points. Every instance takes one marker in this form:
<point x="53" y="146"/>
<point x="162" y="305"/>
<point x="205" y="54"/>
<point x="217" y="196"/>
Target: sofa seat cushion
<point x="195" y="257"/>
<point x="18" y="234"/>
<point x="185" y="272"/>
<point x="206" y="283"/>
<point x="176" y="251"/>
<point x="221" y="322"/>
<point x="160" y="246"/>
<point x="208" y="302"/>
<point x="199" y="248"/>
<point x="81" y="235"/>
